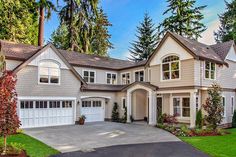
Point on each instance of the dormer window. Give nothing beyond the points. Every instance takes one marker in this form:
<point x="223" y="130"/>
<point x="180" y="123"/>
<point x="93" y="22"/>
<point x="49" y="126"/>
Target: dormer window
<point x="210" y="70"/>
<point x="170" y="68"/>
<point x="49" y="72"/>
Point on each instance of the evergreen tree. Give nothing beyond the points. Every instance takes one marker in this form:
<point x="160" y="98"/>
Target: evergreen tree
<point x="227" y="30"/>
<point x="185" y="19"/>
<point x="100" y="40"/>
<point x="146" y="40"/>
<point x="115" y="113"/>
<point x="19" y="21"/>
<point x="234" y="120"/>
<point x="199" y="119"/>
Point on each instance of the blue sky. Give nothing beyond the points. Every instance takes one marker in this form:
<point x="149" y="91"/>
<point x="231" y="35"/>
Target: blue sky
<point x="125" y="15"/>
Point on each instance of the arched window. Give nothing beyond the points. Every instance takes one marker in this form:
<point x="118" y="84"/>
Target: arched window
<point x="49" y="72"/>
<point x="170" y="68"/>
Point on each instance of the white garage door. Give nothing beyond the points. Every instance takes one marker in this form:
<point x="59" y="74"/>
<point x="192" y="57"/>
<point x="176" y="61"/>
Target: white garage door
<point x="41" y="113"/>
<point x="93" y="110"/>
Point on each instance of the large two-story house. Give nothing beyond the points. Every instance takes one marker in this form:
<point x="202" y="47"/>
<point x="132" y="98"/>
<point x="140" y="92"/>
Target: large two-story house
<point x="56" y="86"/>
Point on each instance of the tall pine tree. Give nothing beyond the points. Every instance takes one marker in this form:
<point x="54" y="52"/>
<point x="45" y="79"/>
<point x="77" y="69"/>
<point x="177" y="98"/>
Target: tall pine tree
<point x="227" y="30"/>
<point x="185" y="19"/>
<point x="147" y="40"/>
<point x="19" y="21"/>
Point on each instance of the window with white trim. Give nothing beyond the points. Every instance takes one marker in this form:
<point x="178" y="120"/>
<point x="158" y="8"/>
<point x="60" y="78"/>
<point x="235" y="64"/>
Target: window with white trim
<point x="89" y="76"/>
<point x="123" y="103"/>
<point x="210" y="70"/>
<point x="181" y="106"/>
<point x="111" y="78"/>
<point x="139" y="76"/>
<point x="49" y="72"/>
<point x="224" y="106"/>
<point x="197" y="103"/>
<point x="125" y="78"/>
<point x="232" y="105"/>
<point x="170" y="68"/>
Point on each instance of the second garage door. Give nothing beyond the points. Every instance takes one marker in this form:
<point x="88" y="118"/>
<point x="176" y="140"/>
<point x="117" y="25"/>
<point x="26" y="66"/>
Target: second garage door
<point x="93" y="110"/>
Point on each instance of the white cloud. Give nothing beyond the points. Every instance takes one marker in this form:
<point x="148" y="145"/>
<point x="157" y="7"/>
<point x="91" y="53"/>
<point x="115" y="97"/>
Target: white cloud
<point x="208" y="35"/>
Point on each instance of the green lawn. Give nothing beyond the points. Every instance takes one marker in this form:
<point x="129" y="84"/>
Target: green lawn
<point x="33" y="147"/>
<point x="215" y="146"/>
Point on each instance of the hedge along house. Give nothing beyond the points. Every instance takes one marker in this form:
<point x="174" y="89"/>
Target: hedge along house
<point x="56" y="86"/>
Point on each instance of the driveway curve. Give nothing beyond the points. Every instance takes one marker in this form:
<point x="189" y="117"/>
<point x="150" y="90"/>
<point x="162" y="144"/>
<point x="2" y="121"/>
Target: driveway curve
<point x="100" y="134"/>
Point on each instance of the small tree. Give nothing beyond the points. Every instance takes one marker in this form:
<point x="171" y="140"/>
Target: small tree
<point x="115" y="113"/>
<point x="213" y="106"/>
<point x="234" y="120"/>
<point x="199" y="119"/>
<point x="9" y="121"/>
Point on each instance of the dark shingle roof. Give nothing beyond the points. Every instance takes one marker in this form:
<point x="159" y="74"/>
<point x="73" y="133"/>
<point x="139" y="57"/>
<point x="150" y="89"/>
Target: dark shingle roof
<point x="199" y="49"/>
<point x="222" y="49"/>
<point x="102" y="87"/>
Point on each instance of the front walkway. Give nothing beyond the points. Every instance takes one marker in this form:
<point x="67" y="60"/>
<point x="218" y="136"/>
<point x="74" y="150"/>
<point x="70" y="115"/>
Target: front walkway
<point x="96" y="135"/>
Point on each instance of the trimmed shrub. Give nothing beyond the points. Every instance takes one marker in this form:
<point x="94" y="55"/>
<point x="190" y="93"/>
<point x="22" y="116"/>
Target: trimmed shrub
<point x="115" y="113"/>
<point x="199" y="119"/>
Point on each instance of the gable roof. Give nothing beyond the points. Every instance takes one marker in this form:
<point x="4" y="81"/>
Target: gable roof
<point x="215" y="53"/>
<point x="41" y="50"/>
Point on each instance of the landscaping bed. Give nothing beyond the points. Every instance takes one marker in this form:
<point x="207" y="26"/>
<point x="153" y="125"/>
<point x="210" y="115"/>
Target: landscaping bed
<point x="32" y="147"/>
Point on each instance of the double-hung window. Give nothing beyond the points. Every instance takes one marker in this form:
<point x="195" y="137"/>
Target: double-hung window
<point x="111" y="78"/>
<point x="49" y="72"/>
<point x="89" y="76"/>
<point x="224" y="106"/>
<point x="123" y="103"/>
<point x="181" y="106"/>
<point x="170" y="68"/>
<point x="139" y="76"/>
<point x="125" y="78"/>
<point x="210" y="70"/>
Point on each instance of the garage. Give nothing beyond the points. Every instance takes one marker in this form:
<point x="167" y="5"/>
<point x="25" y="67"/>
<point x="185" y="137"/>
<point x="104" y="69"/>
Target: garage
<point x="42" y="113"/>
<point x="93" y="110"/>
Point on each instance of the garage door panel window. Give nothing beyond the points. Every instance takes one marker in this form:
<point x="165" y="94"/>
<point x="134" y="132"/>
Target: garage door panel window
<point x="66" y="104"/>
<point x="26" y="105"/>
<point x="86" y="103"/>
<point x="97" y="104"/>
<point x="49" y="72"/>
<point x="54" y="104"/>
<point x="41" y="104"/>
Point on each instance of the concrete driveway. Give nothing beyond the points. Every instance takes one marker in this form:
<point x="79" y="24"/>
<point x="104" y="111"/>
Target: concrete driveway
<point x="101" y="134"/>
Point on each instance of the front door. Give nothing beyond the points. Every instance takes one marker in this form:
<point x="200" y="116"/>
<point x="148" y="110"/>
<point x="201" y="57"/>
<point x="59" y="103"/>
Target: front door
<point x="159" y="107"/>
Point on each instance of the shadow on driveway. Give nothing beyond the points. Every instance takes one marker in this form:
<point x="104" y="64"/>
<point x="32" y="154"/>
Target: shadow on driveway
<point x="162" y="149"/>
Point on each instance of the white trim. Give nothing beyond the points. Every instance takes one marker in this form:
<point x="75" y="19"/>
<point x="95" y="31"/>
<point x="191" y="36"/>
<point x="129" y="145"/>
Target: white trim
<point x="224" y="105"/>
<point x="111" y="78"/>
<point x="45" y="98"/>
<point x="161" y="72"/>
<point x="121" y="81"/>
<point x="86" y="97"/>
<point x="95" y="75"/>
<point x="162" y="109"/>
<point x="209" y="71"/>
<point x="139" y="70"/>
<point x="232" y="104"/>
<point x="181" y="106"/>
<point x="176" y="91"/>
<point x="49" y="76"/>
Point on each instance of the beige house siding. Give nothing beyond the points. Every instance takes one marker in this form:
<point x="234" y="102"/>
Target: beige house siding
<point x="12" y="64"/>
<point x="186" y="75"/>
<point x="132" y="73"/>
<point x="27" y="84"/>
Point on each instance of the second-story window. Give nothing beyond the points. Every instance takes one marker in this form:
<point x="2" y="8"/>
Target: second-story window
<point x="49" y="72"/>
<point x="210" y="70"/>
<point x="139" y="75"/>
<point x="89" y="76"/>
<point x="170" y="68"/>
<point x="111" y="78"/>
<point x="125" y="78"/>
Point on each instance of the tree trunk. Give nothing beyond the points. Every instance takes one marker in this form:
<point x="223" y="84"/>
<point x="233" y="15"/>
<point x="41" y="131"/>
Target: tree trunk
<point x="71" y="31"/>
<point x="41" y="26"/>
<point x="5" y="146"/>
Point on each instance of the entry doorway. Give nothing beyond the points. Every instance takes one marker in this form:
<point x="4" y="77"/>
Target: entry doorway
<point x="159" y="107"/>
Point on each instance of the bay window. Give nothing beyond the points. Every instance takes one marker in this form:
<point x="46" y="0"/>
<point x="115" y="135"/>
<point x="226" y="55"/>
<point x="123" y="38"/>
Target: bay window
<point x="170" y="68"/>
<point x="49" y="72"/>
<point x="111" y="78"/>
<point x="210" y="70"/>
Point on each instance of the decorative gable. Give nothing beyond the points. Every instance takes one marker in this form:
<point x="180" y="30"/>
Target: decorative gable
<point x="170" y="47"/>
<point x="232" y="54"/>
<point x="48" y="54"/>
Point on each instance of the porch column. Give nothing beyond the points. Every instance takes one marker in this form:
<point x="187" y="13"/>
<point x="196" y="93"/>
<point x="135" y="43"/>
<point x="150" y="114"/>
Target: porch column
<point x="152" y="108"/>
<point x="192" y="109"/>
<point x="128" y="106"/>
